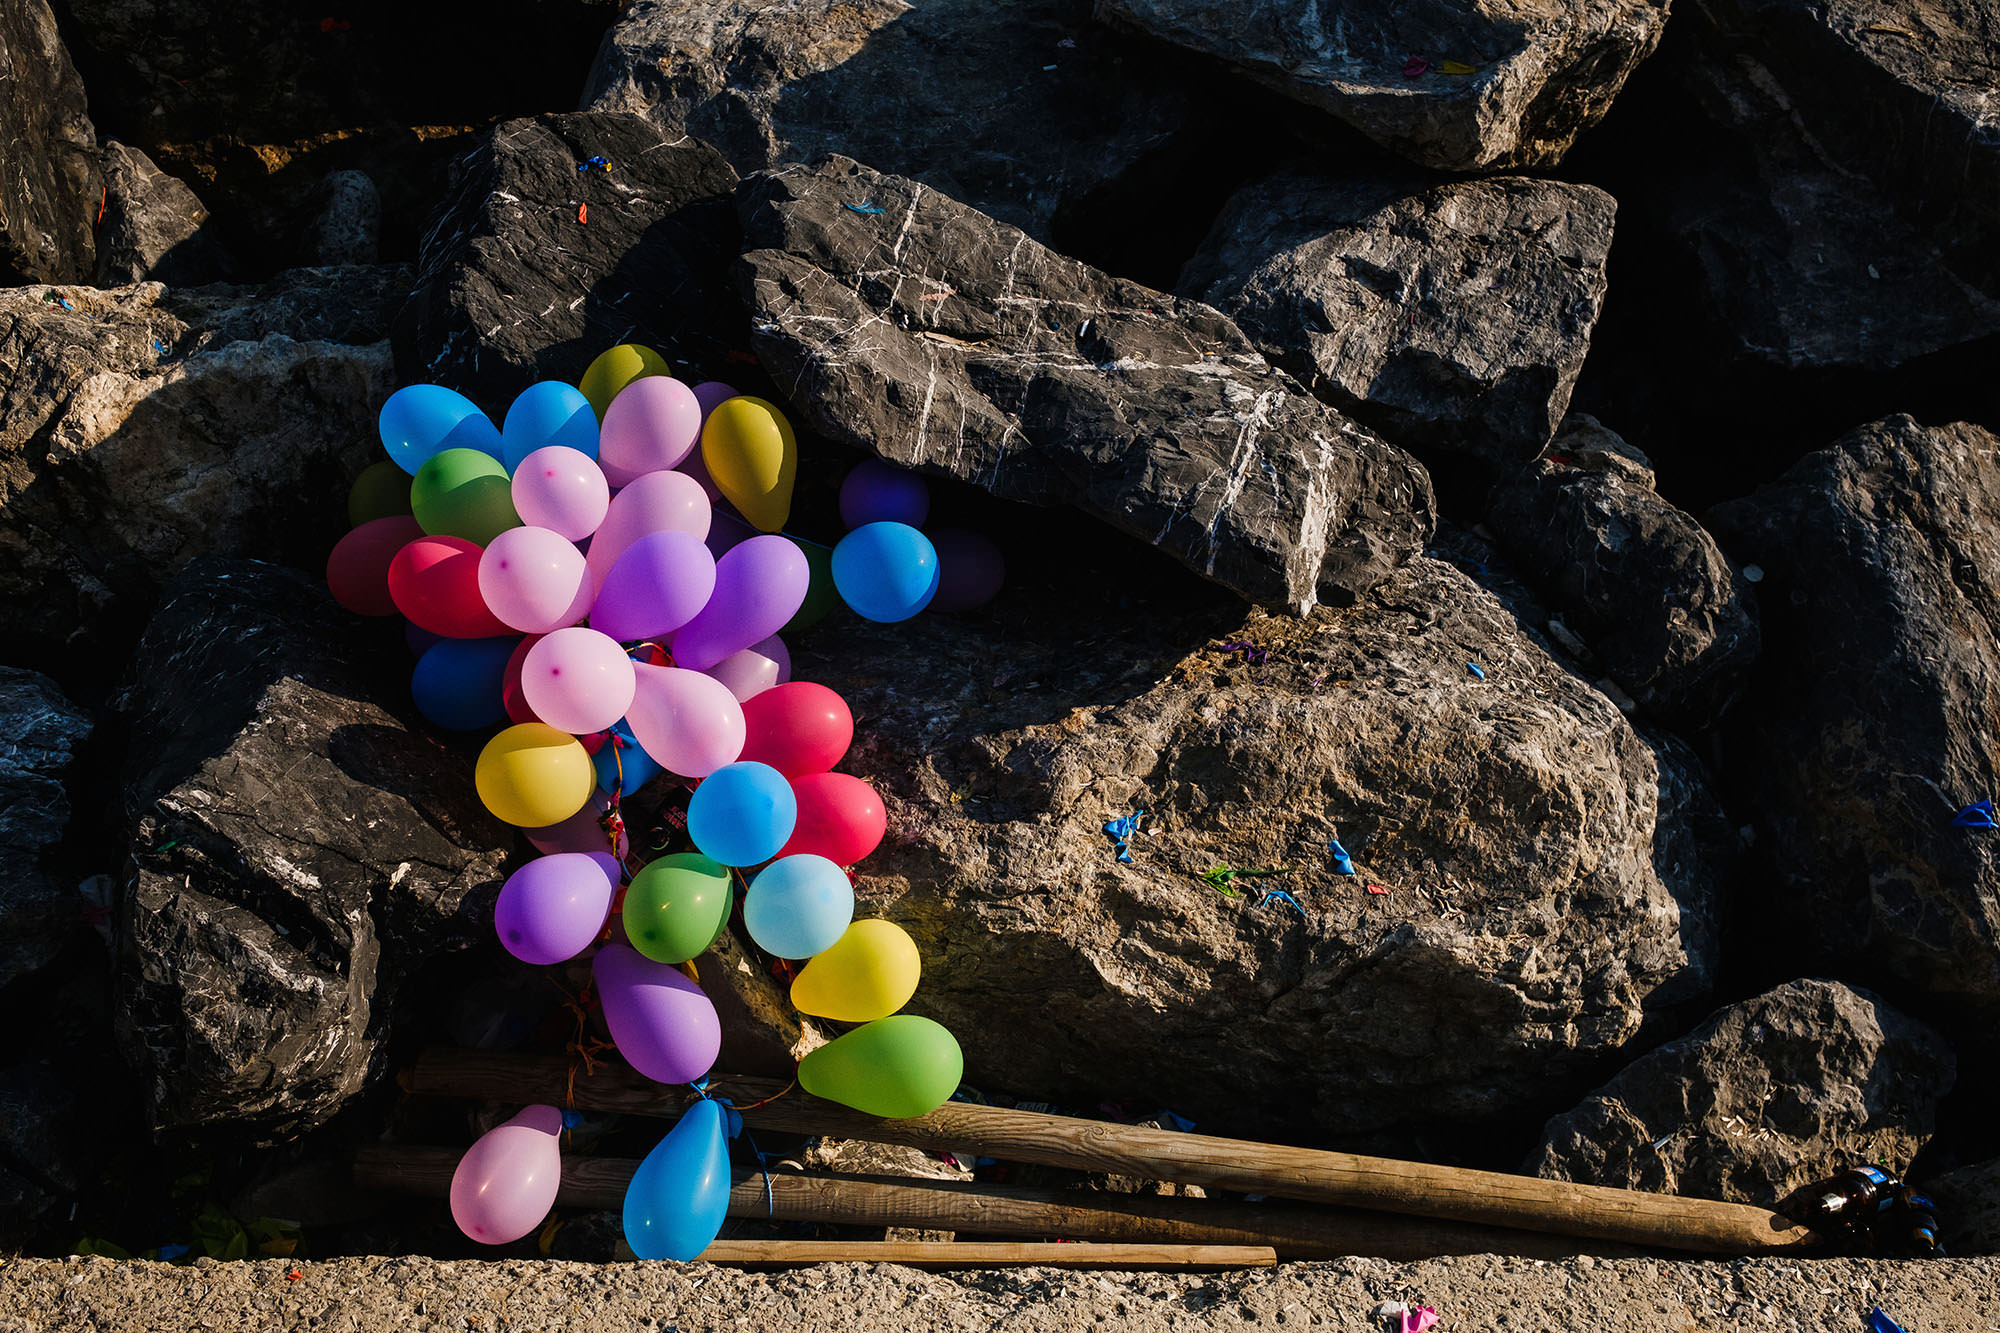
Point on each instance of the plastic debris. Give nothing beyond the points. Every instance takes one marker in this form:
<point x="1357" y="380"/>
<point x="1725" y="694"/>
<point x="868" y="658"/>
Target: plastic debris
<point x="1067" y="43"/>
<point x="869" y="209"/>
<point x="56" y="298"/>
<point x="1415" y="67"/>
<point x="336" y="25"/>
<point x="1279" y="895"/>
<point x="599" y="160"/>
<point x="1456" y="67"/>
<point x="1251" y="652"/>
<point x="1881" y="1323"/>
<point x="1168" y="1120"/>
<point x="1343" y="864"/>
<point x="1378" y="889"/>
<point x="1753" y="573"/>
<point x="1979" y="814"/>
<point x="583" y="212"/>
<point x="169" y="1253"/>
<point x="1418" y="1318"/>
<point x="1047" y="68"/>
<point x="1221" y="878"/>
<point x="1476" y="669"/>
<point x="1121" y="830"/>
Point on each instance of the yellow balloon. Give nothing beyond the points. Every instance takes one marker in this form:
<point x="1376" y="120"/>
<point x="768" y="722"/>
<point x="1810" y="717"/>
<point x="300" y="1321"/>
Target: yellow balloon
<point x="870" y="972"/>
<point x="616" y="368"/>
<point x="751" y="454"/>
<point x="533" y="775"/>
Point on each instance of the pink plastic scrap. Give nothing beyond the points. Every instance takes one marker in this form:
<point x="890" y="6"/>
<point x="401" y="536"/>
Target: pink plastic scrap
<point x="1418" y="1319"/>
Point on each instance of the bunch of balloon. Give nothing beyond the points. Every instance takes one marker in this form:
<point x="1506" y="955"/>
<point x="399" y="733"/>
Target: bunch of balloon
<point x="887" y="568"/>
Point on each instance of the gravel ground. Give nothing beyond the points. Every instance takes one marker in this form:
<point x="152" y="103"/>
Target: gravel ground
<point x="1469" y="1293"/>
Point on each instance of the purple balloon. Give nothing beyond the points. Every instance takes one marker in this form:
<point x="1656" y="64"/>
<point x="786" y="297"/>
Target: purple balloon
<point x="726" y="532"/>
<point x="552" y="908"/>
<point x="759" y="587"/>
<point x="661" y="1022"/>
<point x="750" y="671"/>
<point x="661" y="582"/>
<point x="656" y="502"/>
<point x="970" y="570"/>
<point x="875" y="492"/>
<point x="711" y="394"/>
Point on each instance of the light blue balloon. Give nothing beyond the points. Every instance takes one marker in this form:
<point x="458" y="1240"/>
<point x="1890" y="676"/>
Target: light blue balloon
<point x="798" y="906"/>
<point x="638" y="767"/>
<point x="679" y="1195"/>
<point x="459" y="683"/>
<point x="742" y="813"/>
<point x="424" y="419"/>
<point x="886" y="571"/>
<point x="548" y="413"/>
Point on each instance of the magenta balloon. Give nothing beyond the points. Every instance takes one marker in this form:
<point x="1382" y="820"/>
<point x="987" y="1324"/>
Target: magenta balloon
<point x="577" y="680"/>
<point x="688" y="722"/>
<point x="748" y="672"/>
<point x="581" y="832"/>
<point x="661" y="582"/>
<point x="534" y="580"/>
<point x="552" y="908"/>
<point x="656" y="502"/>
<point x="506" y="1182"/>
<point x="651" y="425"/>
<point x="661" y="1022"/>
<point x="759" y="586"/>
<point x="561" y="489"/>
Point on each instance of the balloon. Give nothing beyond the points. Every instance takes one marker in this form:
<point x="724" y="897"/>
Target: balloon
<point x="546" y="414"/>
<point x="894" y="1068"/>
<point x="742" y="814"/>
<point x="758" y="587"/>
<point x="464" y="493"/>
<point x="552" y="908"/>
<point x="656" y="502"/>
<point x="534" y="580"/>
<point x="797" y="729"/>
<point x="420" y="420"/>
<point x="822" y="599"/>
<point x="840" y="818"/>
<point x="577" y="680"/>
<point x="678" y="1197"/>
<point x="677" y="906"/>
<point x="435" y="582"/>
<point x="750" y="671"/>
<point x="870" y="972"/>
<point x="875" y="492"/>
<point x="381" y="491"/>
<point x="798" y="906"/>
<point x="711" y="394"/>
<point x="511" y="695"/>
<point x="689" y="722"/>
<point x="532" y="775"/>
<point x="616" y="367"/>
<point x="970" y="570"/>
<point x="561" y="489"/>
<point x="623" y="766"/>
<point x="660" y="1021"/>
<point x="457" y="682"/>
<point x="357" y="570"/>
<point x="506" y="1182"/>
<point x="885" y="571"/>
<point x="753" y="458"/>
<point x="418" y="639"/>
<point x="662" y="582"/>
<point x="581" y="832"/>
<point x="651" y="425"/>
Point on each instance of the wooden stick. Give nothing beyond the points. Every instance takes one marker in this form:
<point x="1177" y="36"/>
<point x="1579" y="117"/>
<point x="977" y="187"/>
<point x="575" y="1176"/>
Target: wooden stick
<point x="1488" y="1198"/>
<point x="986" y="1254"/>
<point x="1294" y="1232"/>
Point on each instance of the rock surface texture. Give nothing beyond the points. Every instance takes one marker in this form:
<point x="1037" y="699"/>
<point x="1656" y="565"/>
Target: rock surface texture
<point x="298" y="849"/>
<point x="40" y="1157"/>
<point x="49" y="187"/>
<point x="1454" y="86"/>
<point x="1866" y="732"/>
<point x="1768" y="1095"/>
<point x="153" y="226"/>
<point x="40" y="730"/>
<point x="1970" y="1198"/>
<point x="928" y="333"/>
<point x="1453" y="319"/>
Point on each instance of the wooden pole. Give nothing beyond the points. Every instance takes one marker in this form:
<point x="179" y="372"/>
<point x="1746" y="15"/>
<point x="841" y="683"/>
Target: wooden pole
<point x="1487" y="1198"/>
<point x="996" y="1210"/>
<point x="994" y="1254"/>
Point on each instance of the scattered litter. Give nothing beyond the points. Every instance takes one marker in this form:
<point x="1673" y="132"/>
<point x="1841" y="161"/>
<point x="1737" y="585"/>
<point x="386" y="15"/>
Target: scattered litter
<point x="1279" y="895"/>
<point x="1881" y="1323"/>
<point x="1251" y="652"/>
<point x="1221" y="878"/>
<point x="1872" y="273"/>
<point x="1476" y="669"/>
<point x="1055" y="325"/>
<point x="169" y="1253"/>
<point x="1418" y="1319"/>
<point x="1456" y="67"/>
<point x="159" y="347"/>
<point x="1977" y="815"/>
<point x="1343" y="864"/>
<point x="1047" y="68"/>
<point x="1753" y="573"/>
<point x="293" y="1275"/>
<point x="1067" y="43"/>
<point x="1168" y="1120"/>
<point x="1414" y="67"/>
<point x="870" y="209"/>
<point x="583" y="212"/>
<point x="336" y="25"/>
<point x="1378" y="889"/>
<point x="56" y="298"/>
<point x="600" y="161"/>
<point x="1121" y="830"/>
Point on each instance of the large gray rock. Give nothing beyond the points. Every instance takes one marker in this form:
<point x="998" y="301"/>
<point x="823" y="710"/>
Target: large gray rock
<point x="1542" y="905"/>
<point x="1543" y="71"/>
<point x="142" y="426"/>
<point x="50" y="187"/>
<point x="1768" y="1095"/>
<point x="940" y="339"/>
<point x="298" y="851"/>
<point x="40" y="731"/>
<point x="1454" y="319"/>
<point x="153" y="229"/>
<point x="1867" y="730"/>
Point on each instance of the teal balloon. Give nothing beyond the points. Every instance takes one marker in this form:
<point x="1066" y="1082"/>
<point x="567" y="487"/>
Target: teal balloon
<point x="637" y="767"/>
<point x="548" y="413"/>
<point x="460" y="683"/>
<point x="420" y="420"/>
<point x="742" y="813"/>
<point x="885" y="571"/>
<point x="679" y="1195"/>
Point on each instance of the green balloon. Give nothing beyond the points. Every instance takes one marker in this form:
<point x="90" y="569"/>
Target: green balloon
<point x="463" y="493"/>
<point x="895" y="1067"/>
<point x="822" y="598"/>
<point x="678" y="906"/>
<point x="381" y="491"/>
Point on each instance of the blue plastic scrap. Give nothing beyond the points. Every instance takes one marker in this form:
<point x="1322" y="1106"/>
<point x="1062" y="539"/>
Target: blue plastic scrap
<point x="869" y="209"/>
<point x="1279" y="895"/>
<point x="601" y="162"/>
<point x="1179" y="1122"/>
<point x="1342" y="863"/>
<point x="1977" y="815"/>
<point x="1476" y="669"/>
<point x="1881" y="1323"/>
<point x="1122" y="829"/>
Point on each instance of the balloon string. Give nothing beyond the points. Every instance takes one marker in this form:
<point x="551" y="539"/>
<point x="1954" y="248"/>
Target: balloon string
<point x="583" y="1049"/>
<point x="751" y="1106"/>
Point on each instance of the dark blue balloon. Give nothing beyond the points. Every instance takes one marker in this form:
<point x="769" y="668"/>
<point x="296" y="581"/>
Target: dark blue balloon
<point x="875" y="492"/>
<point x="886" y="571"/>
<point x="458" y="683"/>
<point x="637" y="766"/>
<point x="679" y="1195"/>
<point x="548" y="413"/>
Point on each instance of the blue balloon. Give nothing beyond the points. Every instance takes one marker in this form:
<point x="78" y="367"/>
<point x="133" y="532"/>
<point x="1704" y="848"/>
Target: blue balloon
<point x="548" y="413"/>
<point x="742" y="813"/>
<point x="424" y="419"/>
<point x="886" y="571"/>
<point x="633" y="762"/>
<point x="798" y="906"/>
<point x="679" y="1195"/>
<point x="459" y="683"/>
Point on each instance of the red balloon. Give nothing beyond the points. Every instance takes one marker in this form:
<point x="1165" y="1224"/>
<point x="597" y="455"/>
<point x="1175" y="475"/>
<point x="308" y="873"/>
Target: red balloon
<point x="435" y="582"/>
<point x="510" y="685"/>
<point x="840" y="818"/>
<point x="358" y="570"/>
<point x="797" y="728"/>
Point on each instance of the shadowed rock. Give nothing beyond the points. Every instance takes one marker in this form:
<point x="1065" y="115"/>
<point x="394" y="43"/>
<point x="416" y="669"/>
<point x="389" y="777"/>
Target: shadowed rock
<point x="50" y="186"/>
<point x="40" y="731"/>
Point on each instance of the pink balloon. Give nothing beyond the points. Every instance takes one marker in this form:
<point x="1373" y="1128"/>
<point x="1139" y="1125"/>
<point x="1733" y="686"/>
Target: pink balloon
<point x="759" y="586"/>
<point x="506" y="1182"/>
<point x="656" y="502"/>
<point x="561" y="489"/>
<point x="750" y="671"/>
<point x="577" y="680"/>
<point x="579" y="833"/>
<point x="661" y="582"/>
<point x="689" y="723"/>
<point x="534" y="580"/>
<point x="651" y="425"/>
<point x="661" y="1022"/>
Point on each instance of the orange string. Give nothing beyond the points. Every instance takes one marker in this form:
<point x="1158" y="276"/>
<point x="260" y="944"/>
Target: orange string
<point x="751" y="1106"/>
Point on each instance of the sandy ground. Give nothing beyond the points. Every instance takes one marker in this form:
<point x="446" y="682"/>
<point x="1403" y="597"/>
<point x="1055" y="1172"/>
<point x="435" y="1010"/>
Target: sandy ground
<point x="1470" y="1293"/>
